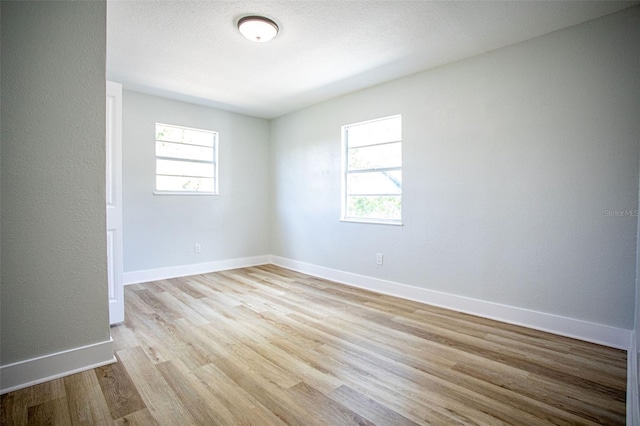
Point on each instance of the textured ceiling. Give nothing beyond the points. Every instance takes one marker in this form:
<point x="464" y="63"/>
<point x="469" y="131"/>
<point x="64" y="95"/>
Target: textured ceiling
<point x="192" y="51"/>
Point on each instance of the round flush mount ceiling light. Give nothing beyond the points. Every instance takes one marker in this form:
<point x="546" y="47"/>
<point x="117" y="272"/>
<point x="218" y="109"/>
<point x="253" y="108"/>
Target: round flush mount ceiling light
<point x="257" y="28"/>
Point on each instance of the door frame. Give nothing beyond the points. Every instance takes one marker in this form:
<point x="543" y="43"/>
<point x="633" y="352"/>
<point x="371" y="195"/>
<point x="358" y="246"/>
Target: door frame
<point x="115" y="264"/>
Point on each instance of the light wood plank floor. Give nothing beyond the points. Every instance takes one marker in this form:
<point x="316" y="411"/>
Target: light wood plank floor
<point x="268" y="346"/>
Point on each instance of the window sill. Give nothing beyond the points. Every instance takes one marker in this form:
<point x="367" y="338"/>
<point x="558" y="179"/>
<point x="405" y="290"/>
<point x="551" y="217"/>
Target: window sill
<point x="183" y="193"/>
<point x="373" y="222"/>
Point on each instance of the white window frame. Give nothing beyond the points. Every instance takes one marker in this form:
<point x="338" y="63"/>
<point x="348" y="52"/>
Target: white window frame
<point x="213" y="162"/>
<point x="345" y="173"/>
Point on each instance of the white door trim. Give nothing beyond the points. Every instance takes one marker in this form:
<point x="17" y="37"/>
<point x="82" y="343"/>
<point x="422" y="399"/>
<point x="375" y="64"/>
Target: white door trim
<point x="114" y="202"/>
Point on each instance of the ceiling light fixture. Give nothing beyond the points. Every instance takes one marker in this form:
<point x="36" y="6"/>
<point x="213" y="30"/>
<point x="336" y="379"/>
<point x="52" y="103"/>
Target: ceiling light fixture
<point x="257" y="28"/>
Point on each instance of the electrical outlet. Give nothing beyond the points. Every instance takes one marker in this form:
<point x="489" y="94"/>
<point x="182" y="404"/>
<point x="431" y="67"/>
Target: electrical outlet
<point x="379" y="259"/>
<point x="197" y="248"/>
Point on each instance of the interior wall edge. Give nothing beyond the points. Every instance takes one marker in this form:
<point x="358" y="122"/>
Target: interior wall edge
<point x="30" y="372"/>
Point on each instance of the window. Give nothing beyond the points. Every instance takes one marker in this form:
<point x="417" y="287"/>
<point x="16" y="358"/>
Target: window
<point x="186" y="160"/>
<point x="372" y="171"/>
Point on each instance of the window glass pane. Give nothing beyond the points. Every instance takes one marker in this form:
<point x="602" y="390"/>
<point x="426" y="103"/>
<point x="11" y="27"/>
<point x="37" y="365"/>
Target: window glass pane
<point x="179" y="183"/>
<point x="375" y="157"/>
<point x="373" y="132"/>
<point x="387" y="182"/>
<point x="182" y="135"/>
<point x="184" y="168"/>
<point x="187" y="152"/>
<point x="198" y="137"/>
<point x="185" y="159"/>
<point x="373" y="170"/>
<point x="169" y="133"/>
<point x="374" y="207"/>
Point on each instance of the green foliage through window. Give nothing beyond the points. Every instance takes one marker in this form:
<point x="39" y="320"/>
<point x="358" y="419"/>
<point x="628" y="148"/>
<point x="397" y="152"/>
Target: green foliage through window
<point x="374" y="207"/>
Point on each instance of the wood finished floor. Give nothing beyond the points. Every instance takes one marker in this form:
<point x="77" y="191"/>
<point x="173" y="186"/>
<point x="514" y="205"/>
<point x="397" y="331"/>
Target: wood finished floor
<point x="268" y="346"/>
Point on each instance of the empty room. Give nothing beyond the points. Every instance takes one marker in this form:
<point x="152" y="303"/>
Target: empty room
<point x="319" y="212"/>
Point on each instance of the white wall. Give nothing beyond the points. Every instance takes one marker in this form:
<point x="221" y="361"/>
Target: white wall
<point x="54" y="275"/>
<point x="511" y="161"/>
<point x="161" y="230"/>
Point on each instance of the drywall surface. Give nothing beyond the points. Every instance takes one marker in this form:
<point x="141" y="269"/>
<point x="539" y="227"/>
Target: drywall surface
<point x="54" y="276"/>
<point x="520" y="176"/>
<point x="633" y="355"/>
<point x="161" y="230"/>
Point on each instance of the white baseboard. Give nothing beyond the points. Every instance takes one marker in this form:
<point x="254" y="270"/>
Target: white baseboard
<point x="633" y="397"/>
<point x="53" y="366"/>
<point x="144" y="276"/>
<point x="591" y="332"/>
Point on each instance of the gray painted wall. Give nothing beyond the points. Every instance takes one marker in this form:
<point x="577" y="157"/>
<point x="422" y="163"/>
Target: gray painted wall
<point x="512" y="160"/>
<point x="161" y="230"/>
<point x="633" y="407"/>
<point x="54" y="278"/>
